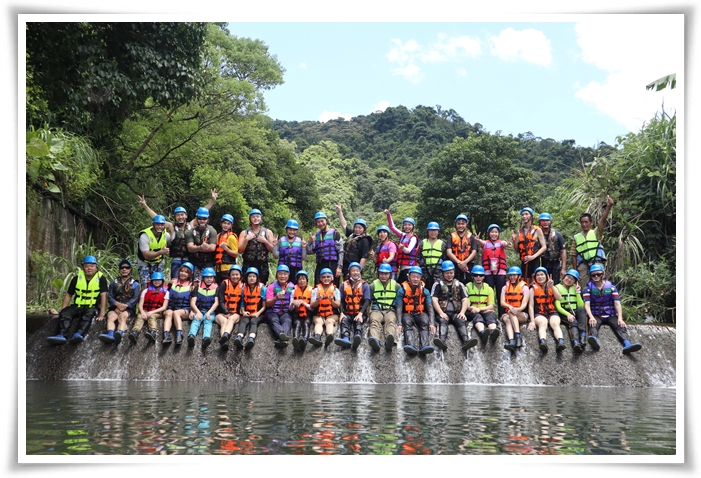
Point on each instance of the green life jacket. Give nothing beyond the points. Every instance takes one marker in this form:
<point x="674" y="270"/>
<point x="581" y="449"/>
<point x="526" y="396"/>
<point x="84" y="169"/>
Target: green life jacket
<point x="432" y="253"/>
<point x="569" y="297"/>
<point x="384" y="296"/>
<point x="86" y="293"/>
<point x="478" y="298"/>
<point x="154" y="245"/>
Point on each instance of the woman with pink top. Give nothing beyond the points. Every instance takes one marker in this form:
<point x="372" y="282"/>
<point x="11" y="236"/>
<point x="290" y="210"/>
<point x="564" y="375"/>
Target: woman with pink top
<point x="408" y="245"/>
<point x="494" y="260"/>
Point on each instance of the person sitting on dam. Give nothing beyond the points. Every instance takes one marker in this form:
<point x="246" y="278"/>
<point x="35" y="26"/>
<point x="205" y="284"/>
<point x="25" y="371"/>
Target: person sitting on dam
<point x="152" y="303"/>
<point x="416" y="310"/>
<point x="301" y="311"/>
<point x="602" y="303"/>
<point x="480" y="308"/>
<point x="514" y="299"/>
<point x="383" y="311"/>
<point x="326" y="299"/>
<point x="230" y="294"/>
<point x="278" y="296"/>
<point x="86" y="298"/>
<point x="203" y="304"/>
<point x="571" y="309"/>
<point x="252" y="308"/>
<point x="355" y="299"/>
<point x="541" y="306"/>
<point x="122" y="296"/>
<point x="450" y="303"/>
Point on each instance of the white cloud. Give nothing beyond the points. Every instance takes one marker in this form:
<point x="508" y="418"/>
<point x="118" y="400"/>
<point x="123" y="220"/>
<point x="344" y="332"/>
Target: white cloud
<point x="330" y="115"/>
<point x="531" y="46"/>
<point x="381" y="106"/>
<point x="410" y="72"/>
<point x="634" y="51"/>
<point x="303" y="66"/>
<point x="462" y="72"/>
<point x="408" y="55"/>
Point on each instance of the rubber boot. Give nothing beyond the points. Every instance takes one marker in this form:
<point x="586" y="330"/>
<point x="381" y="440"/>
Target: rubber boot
<point x="167" y="338"/>
<point x="57" y="339"/>
<point x="118" y="334"/>
<point x="178" y="337"/>
<point x="190" y="340"/>
<point x="628" y="347"/>
<point x="134" y="336"/>
<point x="441" y="336"/>
<point x="583" y="340"/>
<point x="77" y="338"/>
<point x="510" y="345"/>
<point x="389" y="342"/>
<point x="593" y="342"/>
<point x="518" y="341"/>
<point x="576" y="346"/>
<point x="484" y="335"/>
<point x="543" y="346"/>
<point x="251" y="342"/>
<point x="559" y="345"/>
<point x="315" y="340"/>
<point x="107" y="337"/>
<point x="494" y="336"/>
<point x="374" y="344"/>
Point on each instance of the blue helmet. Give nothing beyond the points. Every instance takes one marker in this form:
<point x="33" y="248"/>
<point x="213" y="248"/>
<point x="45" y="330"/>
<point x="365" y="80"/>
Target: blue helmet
<point x="236" y="267"/>
<point x="361" y="222"/>
<point x="157" y="276"/>
<point x="530" y="210"/>
<point x="433" y="226"/>
<point x="596" y="268"/>
<point x="355" y="264"/>
<point x="540" y="269"/>
<point x="208" y="272"/>
<point x="228" y="217"/>
<point x="252" y="270"/>
<point x="410" y="220"/>
<point x="179" y="209"/>
<point x="188" y="265"/>
<point x="122" y="262"/>
<point x="492" y="226"/>
<point x="385" y="268"/>
<point x="254" y="211"/>
<point x="158" y="219"/>
<point x="544" y="216"/>
<point x="515" y="270"/>
<point x="461" y="216"/>
<point x="302" y="273"/>
<point x="202" y="212"/>
<point x="90" y="260"/>
<point x="320" y="215"/>
<point x="383" y="228"/>
<point x="447" y="266"/>
<point x="573" y="273"/>
<point x="415" y="269"/>
<point x="478" y="270"/>
<point x="292" y="224"/>
<point x="324" y="271"/>
<point x="283" y="268"/>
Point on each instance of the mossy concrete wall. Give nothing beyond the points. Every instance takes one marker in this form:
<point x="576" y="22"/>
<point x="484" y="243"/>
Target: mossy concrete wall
<point x="653" y="366"/>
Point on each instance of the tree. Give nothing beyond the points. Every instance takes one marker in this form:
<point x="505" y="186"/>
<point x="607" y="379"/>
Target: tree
<point x="92" y="76"/>
<point x="475" y="176"/>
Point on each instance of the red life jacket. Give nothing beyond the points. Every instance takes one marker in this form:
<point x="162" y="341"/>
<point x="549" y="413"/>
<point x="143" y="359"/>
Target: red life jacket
<point x="407" y="258"/>
<point x="494" y="250"/>
<point x="154" y="297"/>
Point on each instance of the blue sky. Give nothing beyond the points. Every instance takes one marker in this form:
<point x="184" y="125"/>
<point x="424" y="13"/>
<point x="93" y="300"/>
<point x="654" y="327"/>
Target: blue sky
<point x="582" y="78"/>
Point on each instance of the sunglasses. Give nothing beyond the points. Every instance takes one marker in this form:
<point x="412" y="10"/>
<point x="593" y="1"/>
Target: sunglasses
<point x="124" y="267"/>
<point x="477" y="275"/>
<point x="598" y="274"/>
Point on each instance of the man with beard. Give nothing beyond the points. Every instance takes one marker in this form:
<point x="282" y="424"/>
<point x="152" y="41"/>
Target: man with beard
<point x="255" y="245"/>
<point x="122" y="296"/>
<point x="201" y="243"/>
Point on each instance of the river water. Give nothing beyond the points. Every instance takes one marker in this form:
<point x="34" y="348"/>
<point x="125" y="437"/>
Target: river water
<point x="158" y="418"/>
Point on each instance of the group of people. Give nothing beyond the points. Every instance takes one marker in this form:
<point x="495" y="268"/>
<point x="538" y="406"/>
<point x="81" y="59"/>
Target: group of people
<point x="421" y="286"/>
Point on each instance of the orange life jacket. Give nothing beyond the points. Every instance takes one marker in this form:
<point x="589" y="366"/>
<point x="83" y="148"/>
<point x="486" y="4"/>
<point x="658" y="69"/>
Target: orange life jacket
<point x="252" y="298"/>
<point x="306" y="296"/>
<point x="352" y="297"/>
<point x="514" y="294"/>
<point x="527" y="244"/>
<point x="544" y="300"/>
<point x="221" y="257"/>
<point x="232" y="296"/>
<point x="325" y="306"/>
<point x="413" y="298"/>
<point x="461" y="246"/>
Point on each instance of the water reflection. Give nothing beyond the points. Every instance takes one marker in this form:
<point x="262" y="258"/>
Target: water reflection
<point x="147" y="418"/>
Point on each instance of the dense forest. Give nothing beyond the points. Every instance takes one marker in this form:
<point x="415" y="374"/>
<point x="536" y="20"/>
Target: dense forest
<point x="174" y="110"/>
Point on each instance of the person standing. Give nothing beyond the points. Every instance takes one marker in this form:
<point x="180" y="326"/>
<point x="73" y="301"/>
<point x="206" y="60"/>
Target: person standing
<point x="255" y="245"/>
<point x="201" y="243"/>
<point x="554" y="259"/>
<point x="358" y="244"/>
<point x="178" y="247"/>
<point x="529" y="243"/>
<point x="386" y="252"/>
<point x="122" y="297"/>
<point x="462" y="249"/>
<point x="602" y="303"/>
<point x="408" y="246"/>
<point x="586" y="247"/>
<point x="327" y="244"/>
<point x="450" y="303"/>
<point x="415" y="307"/>
<point x="152" y="248"/>
<point x="290" y="249"/>
<point x="432" y="253"/>
<point x="383" y="311"/>
<point x="494" y="261"/>
<point x="227" y="248"/>
<point x="85" y="298"/>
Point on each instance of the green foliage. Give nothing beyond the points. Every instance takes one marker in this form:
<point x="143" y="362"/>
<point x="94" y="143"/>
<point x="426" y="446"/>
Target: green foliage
<point x="475" y="176"/>
<point x="41" y="151"/>
<point x="92" y="76"/>
<point x="647" y="289"/>
<point x="662" y="83"/>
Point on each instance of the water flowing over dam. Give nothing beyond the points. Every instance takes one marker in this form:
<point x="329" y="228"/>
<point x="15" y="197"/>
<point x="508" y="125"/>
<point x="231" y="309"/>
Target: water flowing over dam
<point x="653" y="366"/>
